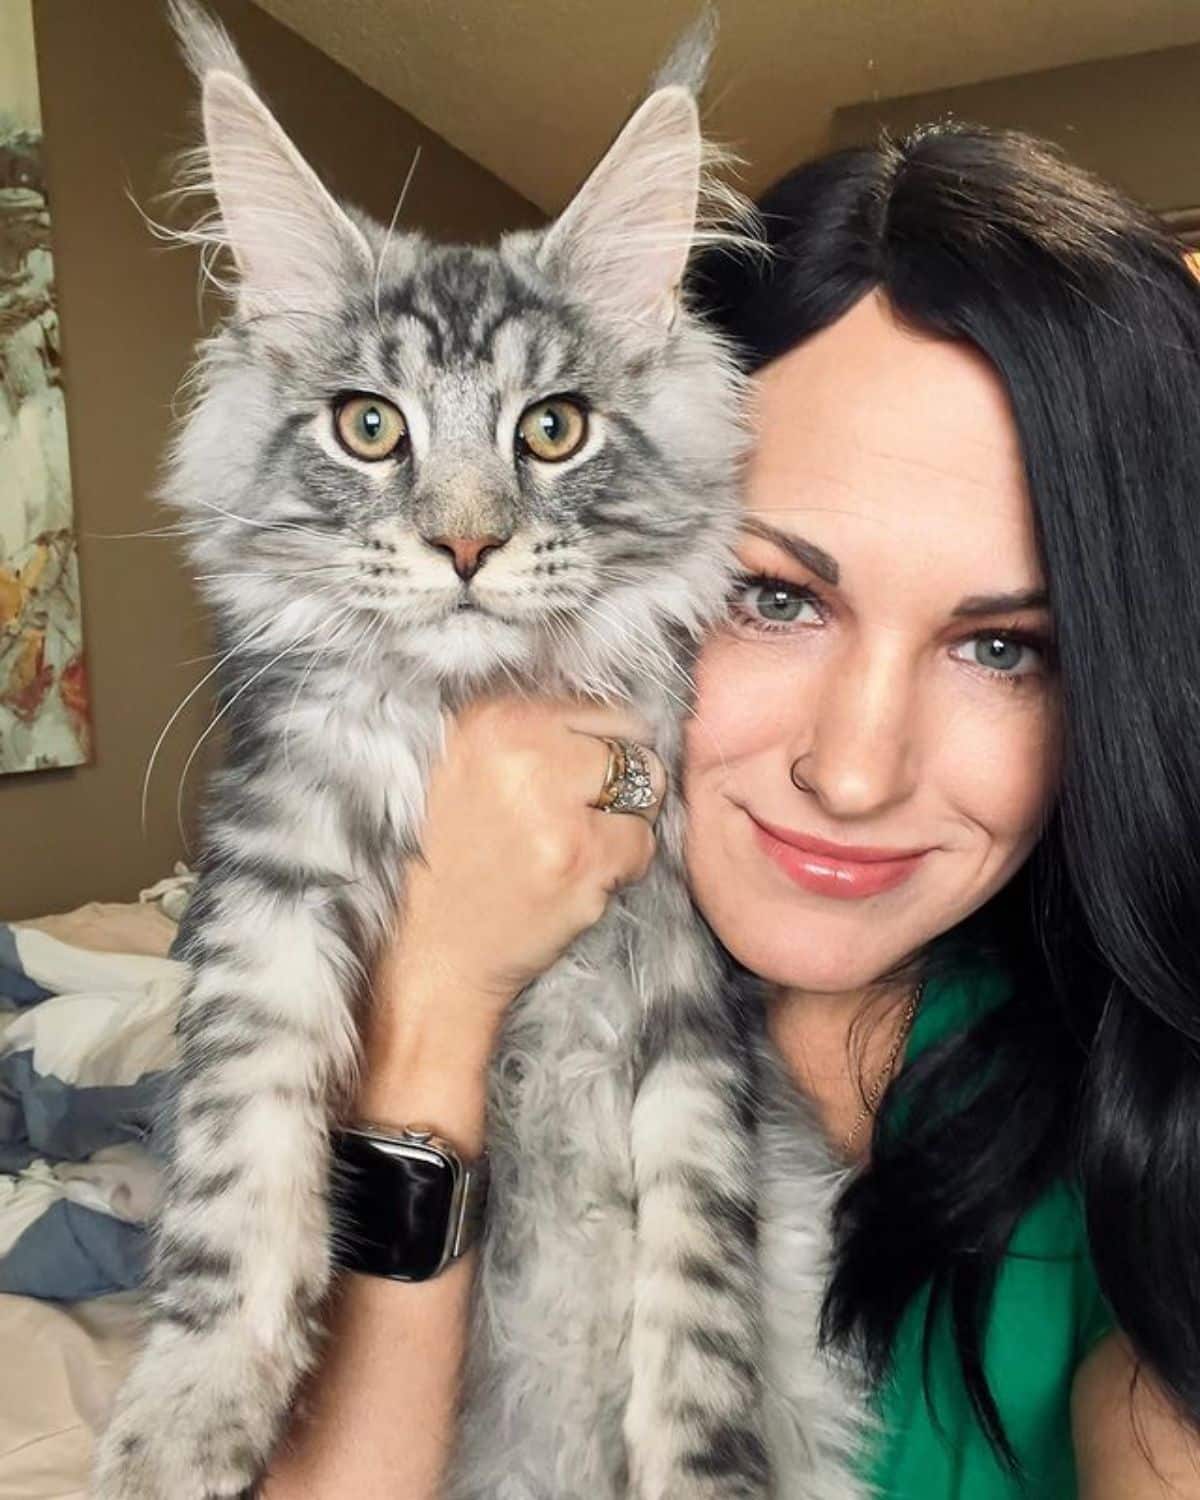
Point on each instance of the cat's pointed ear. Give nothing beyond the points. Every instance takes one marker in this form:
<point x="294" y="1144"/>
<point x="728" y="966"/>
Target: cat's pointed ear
<point x="292" y="244"/>
<point x="624" y="239"/>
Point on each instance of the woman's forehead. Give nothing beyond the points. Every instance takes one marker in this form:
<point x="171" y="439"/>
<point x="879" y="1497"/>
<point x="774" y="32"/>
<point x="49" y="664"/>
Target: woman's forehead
<point x="871" y="418"/>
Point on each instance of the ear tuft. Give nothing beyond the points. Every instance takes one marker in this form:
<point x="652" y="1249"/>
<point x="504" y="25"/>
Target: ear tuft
<point x="624" y="240"/>
<point x="686" y="65"/>
<point x="206" y="46"/>
<point x="658" y="195"/>
<point x="293" y="245"/>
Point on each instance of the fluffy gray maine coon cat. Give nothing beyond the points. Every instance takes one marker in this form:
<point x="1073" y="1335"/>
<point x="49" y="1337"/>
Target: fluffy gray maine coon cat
<point x="370" y="397"/>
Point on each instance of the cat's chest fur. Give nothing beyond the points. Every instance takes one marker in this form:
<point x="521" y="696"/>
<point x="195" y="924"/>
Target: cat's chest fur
<point x="552" y="1327"/>
<point x="359" y="742"/>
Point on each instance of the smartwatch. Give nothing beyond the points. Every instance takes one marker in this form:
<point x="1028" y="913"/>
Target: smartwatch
<point x="405" y="1204"/>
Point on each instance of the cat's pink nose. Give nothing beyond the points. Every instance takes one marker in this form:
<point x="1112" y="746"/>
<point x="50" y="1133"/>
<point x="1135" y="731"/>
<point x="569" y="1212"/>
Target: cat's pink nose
<point x="468" y="552"/>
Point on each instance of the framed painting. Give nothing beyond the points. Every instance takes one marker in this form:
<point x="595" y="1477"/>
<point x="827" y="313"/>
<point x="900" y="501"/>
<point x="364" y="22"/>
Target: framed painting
<point x="44" y="714"/>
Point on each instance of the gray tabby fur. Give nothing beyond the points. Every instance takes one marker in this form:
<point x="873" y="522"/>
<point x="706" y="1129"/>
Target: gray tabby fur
<point x="618" y="1344"/>
<point x="809" y="1436"/>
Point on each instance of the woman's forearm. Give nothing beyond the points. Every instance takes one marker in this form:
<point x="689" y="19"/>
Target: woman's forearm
<point x="378" y="1413"/>
<point x="377" y="1416"/>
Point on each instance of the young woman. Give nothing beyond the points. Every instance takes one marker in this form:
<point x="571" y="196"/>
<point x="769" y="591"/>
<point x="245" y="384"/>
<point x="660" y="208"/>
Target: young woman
<point x="944" y="789"/>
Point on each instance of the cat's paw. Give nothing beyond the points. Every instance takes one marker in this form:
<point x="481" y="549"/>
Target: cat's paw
<point x="143" y="1465"/>
<point x="197" y="1420"/>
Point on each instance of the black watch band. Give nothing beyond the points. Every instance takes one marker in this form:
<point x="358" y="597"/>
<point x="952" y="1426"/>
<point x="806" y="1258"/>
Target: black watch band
<point x="405" y="1204"/>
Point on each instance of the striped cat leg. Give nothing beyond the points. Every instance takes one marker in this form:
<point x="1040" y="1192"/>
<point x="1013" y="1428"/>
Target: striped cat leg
<point x="242" y="1246"/>
<point x="694" y="1420"/>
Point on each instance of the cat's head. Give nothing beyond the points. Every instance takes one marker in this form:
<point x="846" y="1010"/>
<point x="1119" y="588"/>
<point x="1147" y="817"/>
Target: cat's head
<point x="464" y="459"/>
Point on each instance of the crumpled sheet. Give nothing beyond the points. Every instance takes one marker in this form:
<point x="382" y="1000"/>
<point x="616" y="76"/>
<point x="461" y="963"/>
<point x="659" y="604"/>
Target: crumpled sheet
<point x="61" y="1361"/>
<point x="60" y="1366"/>
<point x="86" y="1048"/>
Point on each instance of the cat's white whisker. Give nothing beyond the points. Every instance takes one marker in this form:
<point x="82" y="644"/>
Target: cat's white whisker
<point x="278" y="576"/>
<point x="217" y="717"/>
<point x="334" y="625"/>
<point x="624" y="628"/>
<point x="258" y="630"/>
<point x="123" y="536"/>
<point x="361" y="655"/>
<point x="279" y="526"/>
<point x="387" y="239"/>
<point x="376" y="644"/>
<point x="648" y="640"/>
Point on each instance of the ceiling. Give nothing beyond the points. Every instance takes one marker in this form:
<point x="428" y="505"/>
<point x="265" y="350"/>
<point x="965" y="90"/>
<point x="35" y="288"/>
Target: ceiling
<point x="535" y="89"/>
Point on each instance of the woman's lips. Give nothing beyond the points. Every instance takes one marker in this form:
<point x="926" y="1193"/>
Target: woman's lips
<point x="829" y="870"/>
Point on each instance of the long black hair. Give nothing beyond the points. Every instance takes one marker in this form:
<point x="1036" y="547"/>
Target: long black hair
<point x="1086" y="308"/>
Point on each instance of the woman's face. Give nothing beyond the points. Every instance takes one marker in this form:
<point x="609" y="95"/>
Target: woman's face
<point x="890" y="645"/>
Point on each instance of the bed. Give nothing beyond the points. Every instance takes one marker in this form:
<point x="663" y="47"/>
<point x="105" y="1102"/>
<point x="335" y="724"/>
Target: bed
<point x="88" y="1001"/>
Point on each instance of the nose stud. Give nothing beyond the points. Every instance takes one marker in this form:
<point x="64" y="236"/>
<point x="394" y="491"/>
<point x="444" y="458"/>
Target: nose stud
<point x="468" y="552"/>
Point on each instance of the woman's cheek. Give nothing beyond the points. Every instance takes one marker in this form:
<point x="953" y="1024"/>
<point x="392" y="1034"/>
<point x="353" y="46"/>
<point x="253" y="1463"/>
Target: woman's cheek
<point x="751" y="696"/>
<point x="998" y="755"/>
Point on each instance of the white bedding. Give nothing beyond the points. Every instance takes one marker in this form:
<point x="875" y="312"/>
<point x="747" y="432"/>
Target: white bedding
<point x="60" y="1365"/>
<point x="61" y="1362"/>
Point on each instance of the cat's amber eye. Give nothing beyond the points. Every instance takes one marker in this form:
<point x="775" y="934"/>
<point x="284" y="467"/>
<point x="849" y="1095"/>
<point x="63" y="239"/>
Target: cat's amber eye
<point x="369" y="427"/>
<point x="552" y="430"/>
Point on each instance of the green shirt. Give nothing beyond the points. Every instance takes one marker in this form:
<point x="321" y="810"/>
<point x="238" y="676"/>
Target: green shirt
<point x="1046" y="1313"/>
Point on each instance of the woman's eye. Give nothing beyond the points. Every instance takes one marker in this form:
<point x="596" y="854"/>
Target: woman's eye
<point x="369" y="427"/>
<point x="763" y="603"/>
<point x="552" y="430"/>
<point x="1005" y="655"/>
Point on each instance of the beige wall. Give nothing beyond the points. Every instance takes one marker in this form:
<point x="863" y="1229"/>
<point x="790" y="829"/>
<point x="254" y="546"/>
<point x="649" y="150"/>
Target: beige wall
<point x="115" y="102"/>
<point x="1135" y="120"/>
<point x="18" y="81"/>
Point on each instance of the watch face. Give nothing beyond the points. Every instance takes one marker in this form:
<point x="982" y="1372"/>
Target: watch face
<point x="399" y="1206"/>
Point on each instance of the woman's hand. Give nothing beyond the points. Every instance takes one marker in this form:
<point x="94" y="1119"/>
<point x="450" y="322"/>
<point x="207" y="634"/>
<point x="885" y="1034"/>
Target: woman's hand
<point x="516" y="864"/>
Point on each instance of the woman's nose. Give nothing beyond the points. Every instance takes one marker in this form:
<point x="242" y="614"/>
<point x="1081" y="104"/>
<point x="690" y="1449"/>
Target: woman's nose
<point x="862" y="745"/>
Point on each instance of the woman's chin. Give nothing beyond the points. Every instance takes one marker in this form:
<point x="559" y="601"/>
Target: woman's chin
<point x="822" y="952"/>
<point x="814" y="972"/>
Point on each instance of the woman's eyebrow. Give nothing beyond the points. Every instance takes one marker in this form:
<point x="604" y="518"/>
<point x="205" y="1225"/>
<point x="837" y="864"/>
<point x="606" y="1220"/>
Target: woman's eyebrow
<point x="999" y="604"/>
<point x="808" y="554"/>
<point x="815" y="558"/>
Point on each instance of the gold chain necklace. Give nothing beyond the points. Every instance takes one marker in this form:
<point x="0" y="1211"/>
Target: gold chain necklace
<point x="885" y="1073"/>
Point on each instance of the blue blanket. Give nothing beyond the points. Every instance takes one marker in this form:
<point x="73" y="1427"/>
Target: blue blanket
<point x="86" y="1048"/>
